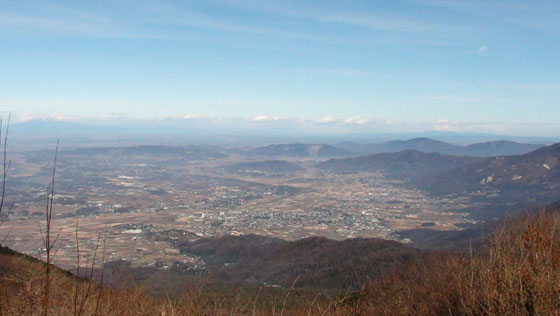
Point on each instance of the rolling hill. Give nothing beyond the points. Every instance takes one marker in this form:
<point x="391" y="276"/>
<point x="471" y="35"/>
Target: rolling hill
<point x="531" y="179"/>
<point x="428" y="145"/>
<point x="407" y="164"/>
<point x="315" y="261"/>
<point x="499" y="148"/>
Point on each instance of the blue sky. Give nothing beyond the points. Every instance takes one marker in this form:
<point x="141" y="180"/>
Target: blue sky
<point x="484" y="66"/>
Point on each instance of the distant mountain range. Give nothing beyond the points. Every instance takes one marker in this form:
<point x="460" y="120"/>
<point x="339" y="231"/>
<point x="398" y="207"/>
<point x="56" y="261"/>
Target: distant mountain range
<point x="318" y="151"/>
<point x="532" y="177"/>
<point x="497" y="183"/>
<point x="428" y="145"/>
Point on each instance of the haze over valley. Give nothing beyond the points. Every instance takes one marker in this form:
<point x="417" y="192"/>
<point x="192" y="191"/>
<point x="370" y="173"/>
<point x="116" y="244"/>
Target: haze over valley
<point x="292" y="158"/>
<point x="140" y="194"/>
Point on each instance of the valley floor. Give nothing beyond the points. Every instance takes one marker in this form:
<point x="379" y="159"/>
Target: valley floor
<point x="515" y="273"/>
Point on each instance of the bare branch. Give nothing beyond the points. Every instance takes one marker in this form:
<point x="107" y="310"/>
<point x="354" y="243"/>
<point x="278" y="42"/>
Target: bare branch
<point x="5" y="164"/>
<point x="48" y="244"/>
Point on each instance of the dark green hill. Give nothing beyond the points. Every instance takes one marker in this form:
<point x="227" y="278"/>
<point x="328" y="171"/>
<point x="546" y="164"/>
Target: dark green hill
<point x="316" y="261"/>
<point x="407" y="164"/>
<point x="531" y="179"/>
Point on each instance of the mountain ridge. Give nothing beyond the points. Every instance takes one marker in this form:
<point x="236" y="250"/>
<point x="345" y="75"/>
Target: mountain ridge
<point x="537" y="172"/>
<point x="410" y="164"/>
<point x="428" y="145"/>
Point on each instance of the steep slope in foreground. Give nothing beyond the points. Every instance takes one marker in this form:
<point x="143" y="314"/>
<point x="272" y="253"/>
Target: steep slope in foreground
<point x="407" y="164"/>
<point x="515" y="273"/>
<point x="471" y="237"/>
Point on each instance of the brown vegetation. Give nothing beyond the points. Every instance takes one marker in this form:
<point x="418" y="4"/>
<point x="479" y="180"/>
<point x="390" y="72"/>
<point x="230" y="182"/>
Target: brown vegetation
<point x="516" y="273"/>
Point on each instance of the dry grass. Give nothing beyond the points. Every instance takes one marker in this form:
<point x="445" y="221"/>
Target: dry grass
<point x="520" y="273"/>
<point x="517" y="273"/>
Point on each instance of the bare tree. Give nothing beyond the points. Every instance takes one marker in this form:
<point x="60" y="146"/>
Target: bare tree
<point x="5" y="163"/>
<point x="49" y="243"/>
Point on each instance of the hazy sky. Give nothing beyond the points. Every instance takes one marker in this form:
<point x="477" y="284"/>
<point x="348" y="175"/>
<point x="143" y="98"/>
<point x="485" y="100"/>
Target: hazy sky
<point x="486" y="66"/>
